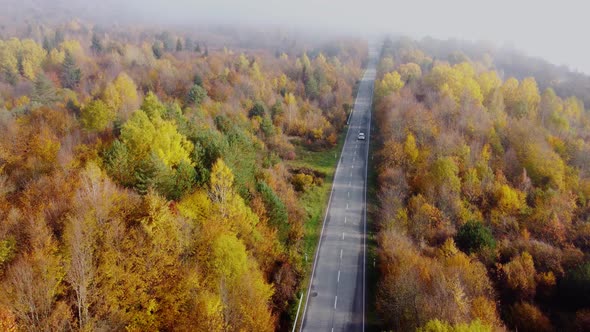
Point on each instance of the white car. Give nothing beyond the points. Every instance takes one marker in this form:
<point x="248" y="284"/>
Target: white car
<point x="361" y="136"/>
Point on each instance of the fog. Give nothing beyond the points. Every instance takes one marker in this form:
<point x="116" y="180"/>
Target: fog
<point x="554" y="31"/>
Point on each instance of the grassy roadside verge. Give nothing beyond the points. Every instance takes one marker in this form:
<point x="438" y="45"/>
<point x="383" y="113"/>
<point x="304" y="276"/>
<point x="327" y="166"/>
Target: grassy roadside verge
<point x="315" y="203"/>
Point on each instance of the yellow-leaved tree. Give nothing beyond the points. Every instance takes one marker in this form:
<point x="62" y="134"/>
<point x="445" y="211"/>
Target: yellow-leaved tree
<point x="458" y="82"/>
<point x="121" y="95"/>
<point x="244" y="294"/>
<point x="390" y="83"/>
<point x="488" y="83"/>
<point x="143" y="136"/>
<point x="409" y="71"/>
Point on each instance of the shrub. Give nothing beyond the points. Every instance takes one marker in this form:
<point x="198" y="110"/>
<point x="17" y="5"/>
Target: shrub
<point x="302" y="182"/>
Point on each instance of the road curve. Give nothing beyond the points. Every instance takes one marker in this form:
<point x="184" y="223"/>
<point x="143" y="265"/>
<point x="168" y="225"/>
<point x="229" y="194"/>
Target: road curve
<point x="336" y="296"/>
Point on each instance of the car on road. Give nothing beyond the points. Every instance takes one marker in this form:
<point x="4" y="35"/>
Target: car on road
<point x="361" y="136"/>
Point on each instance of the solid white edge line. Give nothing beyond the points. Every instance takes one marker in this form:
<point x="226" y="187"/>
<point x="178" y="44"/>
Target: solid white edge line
<point x="317" y="251"/>
<point x="297" y="315"/>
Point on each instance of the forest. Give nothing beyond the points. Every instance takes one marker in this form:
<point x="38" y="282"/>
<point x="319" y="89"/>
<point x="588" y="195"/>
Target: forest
<point x="483" y="174"/>
<point x="145" y="175"/>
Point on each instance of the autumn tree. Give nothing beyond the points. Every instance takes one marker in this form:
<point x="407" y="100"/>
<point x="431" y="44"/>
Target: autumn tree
<point x="409" y="72"/>
<point x="30" y="57"/>
<point x="121" y="95"/>
<point x="522" y="99"/>
<point x="221" y="184"/>
<point x="391" y="82"/>
<point x="96" y="116"/>
<point x="174" y="212"/>
<point x="231" y="266"/>
<point x="457" y="82"/>
<point x="33" y="284"/>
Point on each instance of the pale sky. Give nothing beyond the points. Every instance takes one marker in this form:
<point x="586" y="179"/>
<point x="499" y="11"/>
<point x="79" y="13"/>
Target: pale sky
<point x="554" y="30"/>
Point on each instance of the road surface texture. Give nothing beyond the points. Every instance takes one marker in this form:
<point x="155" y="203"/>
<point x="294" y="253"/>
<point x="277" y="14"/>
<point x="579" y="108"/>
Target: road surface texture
<point x="336" y="297"/>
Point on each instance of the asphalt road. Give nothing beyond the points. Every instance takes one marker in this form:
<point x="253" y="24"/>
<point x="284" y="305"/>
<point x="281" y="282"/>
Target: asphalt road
<point x="336" y="300"/>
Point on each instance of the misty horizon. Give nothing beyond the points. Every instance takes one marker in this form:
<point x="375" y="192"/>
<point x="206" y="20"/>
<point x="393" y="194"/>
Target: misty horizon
<point x="551" y="32"/>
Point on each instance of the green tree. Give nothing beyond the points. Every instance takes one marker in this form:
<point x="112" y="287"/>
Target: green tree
<point x="178" y="45"/>
<point x="96" y="46"/>
<point x="44" y="92"/>
<point x="196" y="94"/>
<point x="198" y="80"/>
<point x="257" y="110"/>
<point x="474" y="236"/>
<point x="312" y="88"/>
<point x="189" y="45"/>
<point x="175" y="182"/>
<point x="158" y="49"/>
<point x="118" y="163"/>
<point x="277" y="212"/>
<point x="152" y="106"/>
<point x="47" y="44"/>
<point x="70" y="73"/>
